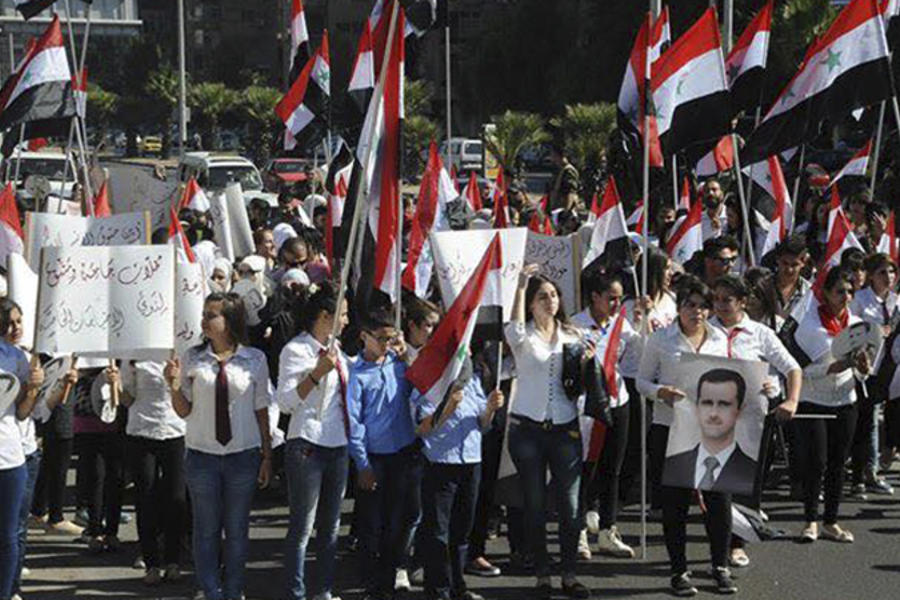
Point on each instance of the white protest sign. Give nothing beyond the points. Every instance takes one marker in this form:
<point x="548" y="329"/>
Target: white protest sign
<point x="457" y="253"/>
<point x="23" y="290"/>
<point x="116" y="301"/>
<point x="56" y="205"/>
<point x="139" y="188"/>
<point x="45" y="229"/>
<point x="231" y="226"/>
<point x="190" y="292"/>
<point x="559" y="259"/>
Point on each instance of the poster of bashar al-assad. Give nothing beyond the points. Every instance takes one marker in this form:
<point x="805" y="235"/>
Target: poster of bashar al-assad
<point x="716" y="432"/>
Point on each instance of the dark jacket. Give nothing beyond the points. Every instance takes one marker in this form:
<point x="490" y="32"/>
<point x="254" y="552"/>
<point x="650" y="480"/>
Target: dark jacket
<point x="737" y="476"/>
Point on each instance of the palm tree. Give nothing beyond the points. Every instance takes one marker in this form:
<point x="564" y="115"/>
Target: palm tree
<point x="257" y="104"/>
<point x="512" y="132"/>
<point x="418" y="128"/>
<point x="587" y="128"/>
<point x="102" y="106"/>
<point x="162" y="87"/>
<point x="208" y="102"/>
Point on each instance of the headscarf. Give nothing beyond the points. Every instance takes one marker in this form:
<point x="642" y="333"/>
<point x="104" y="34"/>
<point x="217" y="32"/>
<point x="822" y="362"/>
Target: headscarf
<point x="224" y="265"/>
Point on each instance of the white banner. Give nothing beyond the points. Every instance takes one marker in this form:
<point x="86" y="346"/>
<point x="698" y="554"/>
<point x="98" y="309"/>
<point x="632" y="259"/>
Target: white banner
<point x="45" y="229"/>
<point x="190" y="292"/>
<point x="111" y="301"/>
<point x="23" y="290"/>
<point x="457" y="253"/>
<point x="560" y="261"/>
<point x="231" y="225"/>
<point x="135" y="188"/>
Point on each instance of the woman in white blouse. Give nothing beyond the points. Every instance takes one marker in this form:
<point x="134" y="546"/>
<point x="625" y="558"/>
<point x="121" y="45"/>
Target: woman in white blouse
<point x="543" y="424"/>
<point x="222" y="391"/>
<point x="312" y="382"/>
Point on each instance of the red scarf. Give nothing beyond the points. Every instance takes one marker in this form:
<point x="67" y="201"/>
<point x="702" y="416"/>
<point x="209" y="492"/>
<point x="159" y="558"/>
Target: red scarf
<point x="832" y="323"/>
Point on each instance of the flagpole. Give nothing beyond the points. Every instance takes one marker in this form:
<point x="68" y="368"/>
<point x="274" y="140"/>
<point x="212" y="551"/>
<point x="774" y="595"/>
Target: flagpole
<point x="797" y="181"/>
<point x="675" y="190"/>
<point x="182" y="85"/>
<point x="88" y="192"/>
<point x="19" y="155"/>
<point x="877" y="150"/>
<point x="448" y="91"/>
<point x="748" y="242"/>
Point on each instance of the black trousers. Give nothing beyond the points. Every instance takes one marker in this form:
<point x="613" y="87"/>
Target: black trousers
<point x="676" y="503"/>
<point x="631" y="468"/>
<point x="158" y="470"/>
<point x="449" y="494"/>
<point x="892" y="424"/>
<point x="658" y="439"/>
<point x="600" y="480"/>
<point x="491" y="448"/>
<point x="50" y="488"/>
<point x="822" y="448"/>
<point x="103" y="456"/>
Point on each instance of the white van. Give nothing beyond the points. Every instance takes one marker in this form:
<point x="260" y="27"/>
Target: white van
<point x="467" y="154"/>
<point x="214" y="172"/>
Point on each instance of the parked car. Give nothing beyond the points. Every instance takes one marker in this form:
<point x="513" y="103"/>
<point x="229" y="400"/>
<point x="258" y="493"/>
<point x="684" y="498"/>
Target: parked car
<point x="467" y="154"/>
<point x="49" y="165"/>
<point x="151" y="145"/>
<point x="281" y="171"/>
<point x="214" y="173"/>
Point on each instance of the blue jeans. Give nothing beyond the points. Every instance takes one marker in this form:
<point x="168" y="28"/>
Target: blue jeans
<point x="316" y="478"/>
<point x="221" y="490"/>
<point x="532" y="449"/>
<point x="32" y="466"/>
<point x="12" y="490"/>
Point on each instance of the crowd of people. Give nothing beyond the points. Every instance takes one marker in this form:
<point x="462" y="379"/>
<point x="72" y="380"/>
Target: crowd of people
<point x="270" y="397"/>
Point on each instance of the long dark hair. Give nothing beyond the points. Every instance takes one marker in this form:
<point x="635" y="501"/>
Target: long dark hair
<point x="534" y="285"/>
<point x="6" y="308"/>
<point x="235" y="315"/>
<point x="657" y="263"/>
<point x="309" y="306"/>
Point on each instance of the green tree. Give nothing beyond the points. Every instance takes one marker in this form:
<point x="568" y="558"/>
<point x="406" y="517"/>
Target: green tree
<point x="102" y="108"/>
<point x="512" y="132"/>
<point x="418" y="128"/>
<point x="162" y="87"/>
<point x="208" y="102"/>
<point x="586" y="129"/>
<point x="257" y="106"/>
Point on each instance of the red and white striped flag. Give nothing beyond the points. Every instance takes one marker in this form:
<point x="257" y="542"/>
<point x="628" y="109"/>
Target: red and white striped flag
<point x="12" y="239"/>
<point x="840" y="233"/>
<point x="687" y="235"/>
<point x="720" y="158"/>
<point x="609" y="246"/>
<point x="194" y="197"/>
<point x="857" y="164"/>
<point x="473" y="194"/>
<point x="177" y="238"/>
<point x="79" y="91"/>
<point x="781" y="218"/>
<point x="100" y="206"/>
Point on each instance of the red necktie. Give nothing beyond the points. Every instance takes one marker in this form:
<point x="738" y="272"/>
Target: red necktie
<point x="731" y="336"/>
<point x="223" y="421"/>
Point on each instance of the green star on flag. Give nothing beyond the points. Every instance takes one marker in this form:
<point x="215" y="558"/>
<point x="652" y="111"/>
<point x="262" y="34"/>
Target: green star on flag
<point x="833" y="60"/>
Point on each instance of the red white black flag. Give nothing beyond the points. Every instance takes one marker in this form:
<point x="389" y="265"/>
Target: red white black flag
<point x="304" y="109"/>
<point x="746" y="63"/>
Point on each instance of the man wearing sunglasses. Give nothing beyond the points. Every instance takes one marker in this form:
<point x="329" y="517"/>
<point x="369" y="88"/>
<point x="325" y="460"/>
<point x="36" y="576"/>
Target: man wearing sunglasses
<point x="719" y="257"/>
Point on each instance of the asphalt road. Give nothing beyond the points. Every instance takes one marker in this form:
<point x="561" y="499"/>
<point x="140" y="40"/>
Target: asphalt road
<point x="783" y="569"/>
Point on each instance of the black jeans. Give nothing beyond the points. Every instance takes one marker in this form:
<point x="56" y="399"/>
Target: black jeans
<point x="50" y="488"/>
<point x="822" y="448"/>
<point x="158" y="470"/>
<point x="386" y="517"/>
<point x="631" y="468"/>
<point x="449" y="493"/>
<point x="103" y="455"/>
<point x="892" y="424"/>
<point x="657" y="440"/>
<point x="676" y="503"/>
<point x="600" y="482"/>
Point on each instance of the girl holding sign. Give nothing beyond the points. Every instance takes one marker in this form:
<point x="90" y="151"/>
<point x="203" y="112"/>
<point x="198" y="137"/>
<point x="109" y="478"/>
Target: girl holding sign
<point x="223" y="392"/>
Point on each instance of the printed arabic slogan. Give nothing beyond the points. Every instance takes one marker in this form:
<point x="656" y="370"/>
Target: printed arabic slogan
<point x="111" y="301"/>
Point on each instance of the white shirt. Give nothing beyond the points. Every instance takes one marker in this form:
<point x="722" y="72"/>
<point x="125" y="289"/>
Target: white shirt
<point x="298" y="359"/>
<point x="600" y="336"/>
<point x="722" y="458"/>
<point x="660" y="363"/>
<point x="151" y="415"/>
<point x="249" y="390"/>
<point x="15" y="367"/>
<point x="662" y="314"/>
<point x="819" y="386"/>
<point x="539" y="392"/>
<point x="870" y="308"/>
<point x="706" y="223"/>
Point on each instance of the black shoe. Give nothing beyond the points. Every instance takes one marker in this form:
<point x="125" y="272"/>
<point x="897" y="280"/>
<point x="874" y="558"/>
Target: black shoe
<point x="576" y="590"/>
<point x="724" y="582"/>
<point x="473" y="568"/>
<point x="682" y="586"/>
<point x="544" y="589"/>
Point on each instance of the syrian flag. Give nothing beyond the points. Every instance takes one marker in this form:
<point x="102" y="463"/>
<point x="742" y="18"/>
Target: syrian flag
<point x="746" y="63"/>
<point x="454" y="177"/>
<point x="41" y="88"/>
<point x="594" y="212"/>
<point x="441" y="361"/>
<point x="362" y="78"/>
<point x="334" y="217"/>
<point x="609" y="249"/>
<point x="540" y="223"/>
<point x="845" y="69"/>
<point x="501" y="203"/>
<point x="633" y="99"/>
<point x="12" y="239"/>
<point x="435" y="192"/>
<point x="684" y="199"/>
<point x="779" y="224"/>
<point x="720" y="158"/>
<point x="177" y="238"/>
<point x="304" y="109"/>
<point x="473" y="194"/>
<point x="29" y="8"/>
<point x="636" y="219"/>
<point x="687" y="235"/>
<point x="857" y="165"/>
<point x="840" y="236"/>
<point x="100" y="206"/>
<point x="299" y="39"/>
<point x="194" y="197"/>
<point x="769" y="178"/>
<point x="379" y="264"/>
<point x="79" y="91"/>
<point x="610" y="373"/>
<point x="689" y="89"/>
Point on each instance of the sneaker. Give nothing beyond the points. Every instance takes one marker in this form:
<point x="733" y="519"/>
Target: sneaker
<point x="681" y="585"/>
<point x="15" y="597"/>
<point x="81" y="517"/>
<point x="481" y="567"/>
<point x="199" y="595"/>
<point x="64" y="528"/>
<point x="858" y="492"/>
<point x="417" y="577"/>
<point x="584" y="548"/>
<point x="724" y="582"/>
<point x="810" y="533"/>
<point x="610" y="543"/>
<point x="467" y="595"/>
<point x="592" y="519"/>
<point x="26" y="571"/>
<point x="738" y="558"/>
<point x="887" y="460"/>
<point x="878" y="485"/>
<point x="152" y="577"/>
<point x="138" y="562"/>
<point x="837" y="534"/>
<point x="401" y="581"/>
<point x="173" y="572"/>
<point x="575" y="589"/>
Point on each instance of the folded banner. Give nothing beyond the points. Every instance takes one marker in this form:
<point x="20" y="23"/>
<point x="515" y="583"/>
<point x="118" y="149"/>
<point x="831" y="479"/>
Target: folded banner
<point x="457" y="254"/>
<point x="106" y="301"/>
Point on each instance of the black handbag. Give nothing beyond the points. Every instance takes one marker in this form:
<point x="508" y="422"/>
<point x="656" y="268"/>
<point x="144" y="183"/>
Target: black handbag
<point x="596" y="397"/>
<point x="572" y="371"/>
